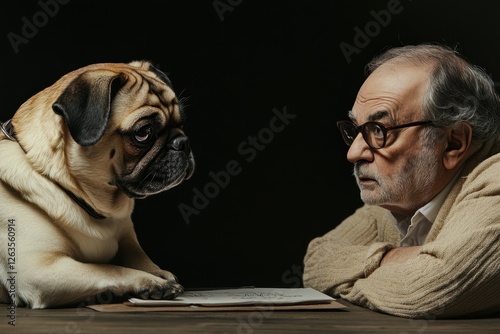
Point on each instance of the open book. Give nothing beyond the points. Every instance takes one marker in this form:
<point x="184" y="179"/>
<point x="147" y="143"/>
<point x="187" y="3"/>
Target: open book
<point x="241" y="296"/>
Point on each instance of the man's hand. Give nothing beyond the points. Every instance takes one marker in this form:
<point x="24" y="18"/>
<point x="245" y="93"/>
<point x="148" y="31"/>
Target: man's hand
<point x="400" y="254"/>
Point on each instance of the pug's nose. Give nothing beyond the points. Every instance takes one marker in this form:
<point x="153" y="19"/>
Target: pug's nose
<point x="180" y="143"/>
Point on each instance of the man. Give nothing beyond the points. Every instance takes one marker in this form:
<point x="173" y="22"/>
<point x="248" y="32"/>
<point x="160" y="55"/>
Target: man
<point x="424" y="138"/>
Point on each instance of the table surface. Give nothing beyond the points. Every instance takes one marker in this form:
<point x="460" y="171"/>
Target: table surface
<point x="354" y="319"/>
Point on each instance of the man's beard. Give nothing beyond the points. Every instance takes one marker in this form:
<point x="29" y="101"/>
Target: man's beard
<point x="403" y="189"/>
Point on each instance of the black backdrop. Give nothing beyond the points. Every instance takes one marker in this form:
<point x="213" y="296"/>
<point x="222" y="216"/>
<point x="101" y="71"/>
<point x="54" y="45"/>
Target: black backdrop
<point x="282" y="180"/>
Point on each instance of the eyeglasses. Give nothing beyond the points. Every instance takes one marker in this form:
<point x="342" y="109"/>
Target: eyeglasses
<point x="374" y="133"/>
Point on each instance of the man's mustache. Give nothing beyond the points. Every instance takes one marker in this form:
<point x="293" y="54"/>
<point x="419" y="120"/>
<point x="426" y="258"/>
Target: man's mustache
<point x="361" y="172"/>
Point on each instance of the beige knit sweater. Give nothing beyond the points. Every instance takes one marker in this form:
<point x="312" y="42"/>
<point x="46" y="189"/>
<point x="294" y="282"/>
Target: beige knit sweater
<point x="457" y="271"/>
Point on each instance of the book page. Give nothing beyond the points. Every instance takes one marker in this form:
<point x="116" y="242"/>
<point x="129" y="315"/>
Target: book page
<point x="243" y="296"/>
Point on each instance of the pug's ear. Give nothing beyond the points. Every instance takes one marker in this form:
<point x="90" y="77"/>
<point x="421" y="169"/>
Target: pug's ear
<point x="85" y="105"/>
<point x="162" y="75"/>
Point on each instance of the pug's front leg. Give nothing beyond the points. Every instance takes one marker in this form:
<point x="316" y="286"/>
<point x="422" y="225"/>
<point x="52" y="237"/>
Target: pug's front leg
<point x="130" y="254"/>
<point x="66" y="281"/>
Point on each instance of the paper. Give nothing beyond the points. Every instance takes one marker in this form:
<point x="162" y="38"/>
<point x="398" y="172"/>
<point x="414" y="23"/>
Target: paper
<point x="243" y="296"/>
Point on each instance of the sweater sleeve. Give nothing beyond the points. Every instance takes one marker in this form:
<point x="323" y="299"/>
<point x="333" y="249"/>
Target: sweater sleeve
<point x="455" y="274"/>
<point x="351" y="251"/>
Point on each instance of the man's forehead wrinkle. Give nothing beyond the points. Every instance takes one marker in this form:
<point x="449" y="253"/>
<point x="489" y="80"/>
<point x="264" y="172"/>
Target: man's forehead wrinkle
<point x="382" y="97"/>
<point x="378" y="106"/>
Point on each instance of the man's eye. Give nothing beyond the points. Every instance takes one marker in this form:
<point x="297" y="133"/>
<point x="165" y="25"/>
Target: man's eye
<point x="377" y="131"/>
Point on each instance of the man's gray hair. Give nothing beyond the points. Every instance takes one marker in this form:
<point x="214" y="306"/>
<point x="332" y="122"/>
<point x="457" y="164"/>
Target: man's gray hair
<point x="458" y="90"/>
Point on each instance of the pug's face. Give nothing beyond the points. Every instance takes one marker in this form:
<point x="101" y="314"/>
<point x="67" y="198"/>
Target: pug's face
<point x="126" y="125"/>
<point x="154" y="155"/>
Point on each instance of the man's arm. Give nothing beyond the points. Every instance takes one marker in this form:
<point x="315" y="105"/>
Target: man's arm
<point x="400" y="254"/>
<point x="354" y="249"/>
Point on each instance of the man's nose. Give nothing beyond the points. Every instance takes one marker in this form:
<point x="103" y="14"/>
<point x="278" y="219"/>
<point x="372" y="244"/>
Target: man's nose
<point x="359" y="150"/>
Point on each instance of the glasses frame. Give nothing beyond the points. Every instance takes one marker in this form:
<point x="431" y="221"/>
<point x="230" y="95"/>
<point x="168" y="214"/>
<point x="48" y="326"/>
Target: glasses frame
<point x="362" y="129"/>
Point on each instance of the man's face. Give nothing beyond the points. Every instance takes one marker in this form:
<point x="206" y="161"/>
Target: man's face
<point x="404" y="174"/>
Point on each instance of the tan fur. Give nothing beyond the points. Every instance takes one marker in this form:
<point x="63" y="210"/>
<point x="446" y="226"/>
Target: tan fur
<point x="62" y="253"/>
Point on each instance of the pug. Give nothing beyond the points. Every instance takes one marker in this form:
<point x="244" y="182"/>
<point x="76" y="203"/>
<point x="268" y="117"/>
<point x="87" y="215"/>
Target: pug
<point x="73" y="159"/>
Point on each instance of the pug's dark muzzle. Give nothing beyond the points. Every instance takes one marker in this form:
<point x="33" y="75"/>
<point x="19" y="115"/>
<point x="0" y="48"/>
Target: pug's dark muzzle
<point x="166" y="165"/>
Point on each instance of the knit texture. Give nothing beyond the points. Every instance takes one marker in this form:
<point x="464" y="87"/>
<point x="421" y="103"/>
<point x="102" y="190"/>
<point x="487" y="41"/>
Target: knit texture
<point x="457" y="272"/>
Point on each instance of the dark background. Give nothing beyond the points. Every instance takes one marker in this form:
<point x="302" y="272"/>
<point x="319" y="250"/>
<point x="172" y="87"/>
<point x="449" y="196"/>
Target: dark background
<point x="234" y="65"/>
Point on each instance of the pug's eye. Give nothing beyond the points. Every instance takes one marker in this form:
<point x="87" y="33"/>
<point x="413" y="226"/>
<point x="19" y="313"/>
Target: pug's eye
<point x="144" y="134"/>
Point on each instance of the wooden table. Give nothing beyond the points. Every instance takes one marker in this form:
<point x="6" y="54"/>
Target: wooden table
<point x="352" y="320"/>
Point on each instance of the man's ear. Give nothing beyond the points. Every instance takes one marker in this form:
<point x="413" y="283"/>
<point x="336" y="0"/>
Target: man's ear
<point x="459" y="141"/>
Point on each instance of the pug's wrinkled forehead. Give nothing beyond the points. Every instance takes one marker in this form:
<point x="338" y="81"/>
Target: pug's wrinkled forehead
<point x="146" y="93"/>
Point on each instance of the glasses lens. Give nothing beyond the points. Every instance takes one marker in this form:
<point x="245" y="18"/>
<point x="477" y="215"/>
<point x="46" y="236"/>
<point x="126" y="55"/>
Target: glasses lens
<point x="348" y="131"/>
<point x="374" y="134"/>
